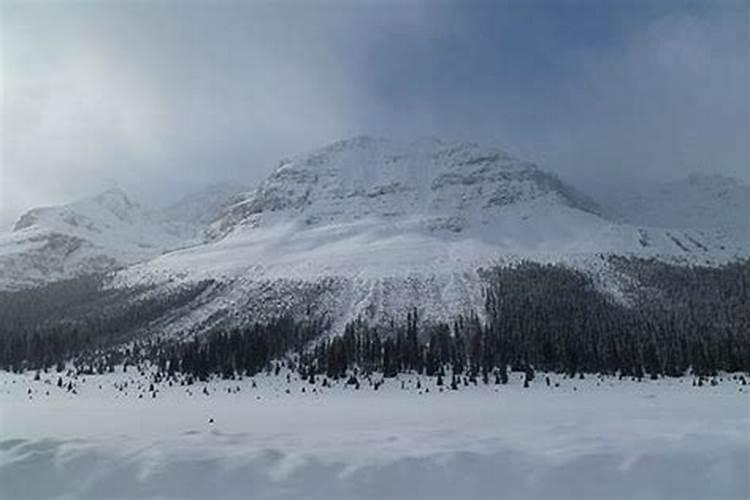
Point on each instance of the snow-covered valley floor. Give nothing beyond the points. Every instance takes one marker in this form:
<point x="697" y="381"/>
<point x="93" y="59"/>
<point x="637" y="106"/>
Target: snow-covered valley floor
<point x="586" y="439"/>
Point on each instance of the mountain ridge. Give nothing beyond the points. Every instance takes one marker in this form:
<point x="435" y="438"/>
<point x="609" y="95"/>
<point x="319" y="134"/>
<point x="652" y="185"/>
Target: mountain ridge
<point x="95" y="234"/>
<point x="366" y="176"/>
<point x="371" y="228"/>
<point x="698" y="201"/>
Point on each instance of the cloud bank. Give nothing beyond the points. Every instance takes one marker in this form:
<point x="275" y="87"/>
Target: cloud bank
<point x="161" y="98"/>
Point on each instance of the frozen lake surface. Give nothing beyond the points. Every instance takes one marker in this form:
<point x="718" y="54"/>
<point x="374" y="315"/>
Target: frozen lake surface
<point x="586" y="439"/>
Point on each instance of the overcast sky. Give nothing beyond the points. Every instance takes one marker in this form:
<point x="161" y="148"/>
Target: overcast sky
<point x="160" y="98"/>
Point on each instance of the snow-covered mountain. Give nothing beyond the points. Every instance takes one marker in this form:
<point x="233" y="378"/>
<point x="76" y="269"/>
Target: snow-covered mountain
<point x="700" y="202"/>
<point x="102" y="233"/>
<point x="370" y="228"/>
<point x="91" y="235"/>
<point x="373" y="178"/>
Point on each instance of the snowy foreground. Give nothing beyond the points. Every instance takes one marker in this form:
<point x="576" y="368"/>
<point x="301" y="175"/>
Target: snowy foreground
<point x="586" y="439"/>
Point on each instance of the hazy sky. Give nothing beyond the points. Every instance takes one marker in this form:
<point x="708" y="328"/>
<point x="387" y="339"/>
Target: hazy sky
<point x="160" y="98"/>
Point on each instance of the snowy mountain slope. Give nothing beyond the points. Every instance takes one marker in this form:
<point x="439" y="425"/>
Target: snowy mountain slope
<point x="459" y="184"/>
<point x="104" y="232"/>
<point x="370" y="228"/>
<point x="699" y="202"/>
<point x="205" y="206"/>
<point x="95" y="234"/>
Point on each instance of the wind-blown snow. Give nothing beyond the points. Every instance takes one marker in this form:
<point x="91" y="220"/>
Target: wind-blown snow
<point x="587" y="439"/>
<point x="204" y="206"/>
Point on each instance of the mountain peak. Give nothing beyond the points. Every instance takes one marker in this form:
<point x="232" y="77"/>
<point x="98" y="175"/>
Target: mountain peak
<point x="112" y="199"/>
<point x="372" y="226"/>
<point x="97" y="233"/>
<point x="365" y="177"/>
<point x="114" y="193"/>
<point x="82" y="212"/>
<point x="357" y="141"/>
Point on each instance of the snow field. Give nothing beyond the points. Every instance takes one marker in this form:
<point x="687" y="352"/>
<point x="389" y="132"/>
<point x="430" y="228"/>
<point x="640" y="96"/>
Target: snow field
<point x="585" y="439"/>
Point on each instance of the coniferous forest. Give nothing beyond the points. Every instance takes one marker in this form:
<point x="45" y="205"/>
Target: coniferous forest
<point x="536" y="317"/>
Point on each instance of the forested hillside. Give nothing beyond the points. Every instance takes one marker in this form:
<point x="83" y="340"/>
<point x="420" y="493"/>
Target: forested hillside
<point x="539" y="317"/>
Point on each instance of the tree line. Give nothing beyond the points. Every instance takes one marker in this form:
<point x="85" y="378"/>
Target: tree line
<point x="536" y="317"/>
<point x="49" y="325"/>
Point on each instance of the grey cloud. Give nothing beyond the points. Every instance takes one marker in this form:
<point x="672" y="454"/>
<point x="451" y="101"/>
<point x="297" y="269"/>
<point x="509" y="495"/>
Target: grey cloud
<point x="161" y="97"/>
